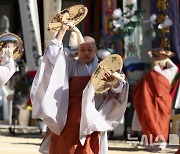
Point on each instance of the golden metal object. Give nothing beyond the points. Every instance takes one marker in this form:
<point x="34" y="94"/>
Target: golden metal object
<point x="162" y="5"/>
<point x="16" y="40"/>
<point x="75" y="14"/>
<point x="161" y="53"/>
<point x="112" y="63"/>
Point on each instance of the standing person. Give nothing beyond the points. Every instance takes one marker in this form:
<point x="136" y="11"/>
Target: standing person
<point x="11" y="49"/>
<point x="7" y="69"/>
<point x="152" y="100"/>
<point x="21" y="89"/>
<point x="62" y="95"/>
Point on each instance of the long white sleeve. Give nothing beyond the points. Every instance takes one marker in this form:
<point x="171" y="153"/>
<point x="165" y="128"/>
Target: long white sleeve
<point x="169" y="72"/>
<point x="107" y="117"/>
<point x="53" y="50"/>
<point x="6" y="71"/>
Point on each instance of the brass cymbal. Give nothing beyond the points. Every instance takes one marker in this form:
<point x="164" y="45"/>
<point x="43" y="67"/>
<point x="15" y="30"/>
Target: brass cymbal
<point x="161" y="53"/>
<point x="112" y="63"/>
<point x="11" y="37"/>
<point x="75" y="14"/>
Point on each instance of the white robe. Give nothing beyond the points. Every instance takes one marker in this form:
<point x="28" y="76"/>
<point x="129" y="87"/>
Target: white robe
<point x="50" y="96"/>
<point x="6" y="71"/>
<point x="4" y="102"/>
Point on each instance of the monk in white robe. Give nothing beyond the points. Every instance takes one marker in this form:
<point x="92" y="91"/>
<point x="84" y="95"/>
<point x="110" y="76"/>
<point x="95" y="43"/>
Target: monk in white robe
<point x="64" y="98"/>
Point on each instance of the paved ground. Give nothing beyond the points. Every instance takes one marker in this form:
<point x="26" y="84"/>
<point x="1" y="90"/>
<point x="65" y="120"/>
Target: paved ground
<point x="28" y="143"/>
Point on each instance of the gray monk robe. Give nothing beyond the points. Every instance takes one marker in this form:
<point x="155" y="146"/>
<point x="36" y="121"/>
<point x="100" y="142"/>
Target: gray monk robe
<point x="50" y="96"/>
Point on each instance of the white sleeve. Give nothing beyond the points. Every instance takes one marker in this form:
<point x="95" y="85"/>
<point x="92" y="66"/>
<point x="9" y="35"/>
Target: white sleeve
<point x="6" y="71"/>
<point x="53" y="50"/>
<point x="119" y="88"/>
<point x="169" y="72"/>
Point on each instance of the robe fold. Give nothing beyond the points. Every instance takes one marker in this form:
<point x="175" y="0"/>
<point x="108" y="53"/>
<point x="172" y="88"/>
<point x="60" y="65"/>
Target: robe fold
<point x="153" y="105"/>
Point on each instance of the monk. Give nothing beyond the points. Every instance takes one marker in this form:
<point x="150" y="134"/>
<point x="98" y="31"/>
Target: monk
<point x="153" y="103"/>
<point x="64" y="98"/>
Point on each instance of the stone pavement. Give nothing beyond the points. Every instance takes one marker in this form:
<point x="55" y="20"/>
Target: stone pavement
<point x="28" y="143"/>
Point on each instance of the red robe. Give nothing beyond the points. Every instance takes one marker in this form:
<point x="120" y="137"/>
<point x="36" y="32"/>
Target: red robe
<point x="178" y="152"/>
<point x="153" y="104"/>
<point x="68" y="141"/>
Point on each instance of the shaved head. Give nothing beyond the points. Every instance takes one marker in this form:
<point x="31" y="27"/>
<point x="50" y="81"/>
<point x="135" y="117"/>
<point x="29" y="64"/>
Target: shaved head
<point x="88" y="39"/>
<point x="87" y="49"/>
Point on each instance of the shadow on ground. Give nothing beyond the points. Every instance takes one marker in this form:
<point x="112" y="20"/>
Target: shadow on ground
<point x="124" y="149"/>
<point x="26" y="143"/>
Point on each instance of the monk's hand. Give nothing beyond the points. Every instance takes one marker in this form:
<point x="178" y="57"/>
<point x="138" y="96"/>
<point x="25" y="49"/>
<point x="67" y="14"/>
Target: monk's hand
<point x="64" y="27"/>
<point x="114" y="79"/>
<point x="120" y="76"/>
<point x="6" y="54"/>
<point x="73" y="28"/>
<point x="110" y="79"/>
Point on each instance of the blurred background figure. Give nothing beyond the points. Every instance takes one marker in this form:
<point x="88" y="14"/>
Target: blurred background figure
<point x="4" y="112"/>
<point x="152" y="100"/>
<point x="4" y="28"/>
<point x="175" y="93"/>
<point x="134" y="70"/>
<point x="19" y="83"/>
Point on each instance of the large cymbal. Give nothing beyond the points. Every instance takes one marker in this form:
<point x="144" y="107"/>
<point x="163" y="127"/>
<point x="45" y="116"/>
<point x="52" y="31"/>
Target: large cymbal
<point x="75" y="14"/>
<point x="161" y="53"/>
<point x="10" y="37"/>
<point x="112" y="63"/>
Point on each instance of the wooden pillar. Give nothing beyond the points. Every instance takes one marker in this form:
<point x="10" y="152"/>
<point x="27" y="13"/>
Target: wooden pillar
<point x="97" y="20"/>
<point x="87" y="20"/>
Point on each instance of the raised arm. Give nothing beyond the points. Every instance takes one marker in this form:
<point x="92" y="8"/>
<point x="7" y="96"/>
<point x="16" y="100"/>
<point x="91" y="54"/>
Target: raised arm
<point x="169" y="72"/>
<point x="56" y="47"/>
<point x="60" y="35"/>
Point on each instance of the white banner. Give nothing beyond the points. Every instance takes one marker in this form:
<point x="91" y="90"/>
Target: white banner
<point x="31" y="32"/>
<point x="135" y="39"/>
<point x="51" y="8"/>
